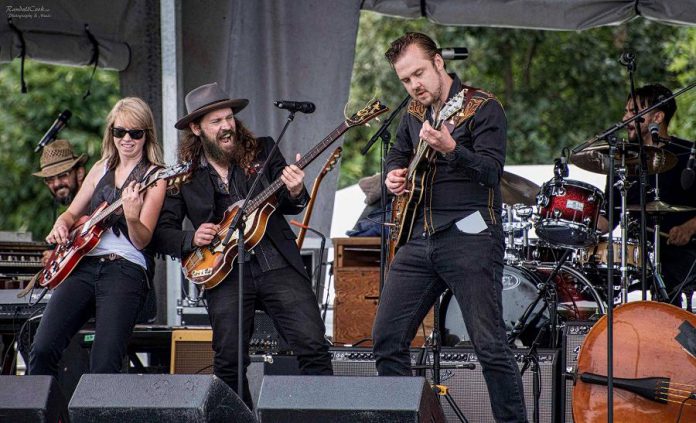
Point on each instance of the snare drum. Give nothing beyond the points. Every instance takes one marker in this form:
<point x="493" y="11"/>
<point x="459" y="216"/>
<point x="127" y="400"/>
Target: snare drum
<point x="577" y="300"/>
<point x="596" y="257"/>
<point x="569" y="212"/>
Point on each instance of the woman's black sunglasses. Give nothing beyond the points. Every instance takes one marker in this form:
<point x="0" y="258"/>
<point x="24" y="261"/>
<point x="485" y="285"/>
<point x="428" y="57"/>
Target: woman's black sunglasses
<point x="135" y="134"/>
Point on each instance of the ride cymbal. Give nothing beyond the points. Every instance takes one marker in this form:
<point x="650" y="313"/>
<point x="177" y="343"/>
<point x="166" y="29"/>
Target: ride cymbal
<point x="596" y="159"/>
<point x="518" y="190"/>
<point x="660" y="207"/>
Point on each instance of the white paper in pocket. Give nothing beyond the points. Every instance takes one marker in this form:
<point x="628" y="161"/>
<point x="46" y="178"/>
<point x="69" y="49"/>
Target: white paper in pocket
<point x="472" y="224"/>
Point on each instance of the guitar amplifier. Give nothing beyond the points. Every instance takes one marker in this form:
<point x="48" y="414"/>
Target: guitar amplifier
<point x="468" y="387"/>
<point x="574" y="334"/>
<point x="354" y="361"/>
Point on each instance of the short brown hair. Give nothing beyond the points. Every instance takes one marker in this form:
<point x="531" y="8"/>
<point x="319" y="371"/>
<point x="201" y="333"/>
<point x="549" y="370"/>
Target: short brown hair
<point x="398" y="46"/>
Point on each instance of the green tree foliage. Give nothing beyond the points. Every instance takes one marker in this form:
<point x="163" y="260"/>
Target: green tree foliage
<point x="25" y="203"/>
<point x="559" y="88"/>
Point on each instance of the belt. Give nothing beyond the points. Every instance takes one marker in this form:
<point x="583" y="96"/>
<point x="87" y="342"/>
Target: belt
<point x="108" y="257"/>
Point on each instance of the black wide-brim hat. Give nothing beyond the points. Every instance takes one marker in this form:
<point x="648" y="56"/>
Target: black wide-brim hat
<point x="205" y="99"/>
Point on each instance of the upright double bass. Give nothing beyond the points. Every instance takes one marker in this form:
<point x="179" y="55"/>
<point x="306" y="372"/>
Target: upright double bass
<point x="654" y="366"/>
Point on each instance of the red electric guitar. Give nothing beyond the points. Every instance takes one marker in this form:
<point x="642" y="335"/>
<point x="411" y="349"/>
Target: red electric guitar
<point x="87" y="231"/>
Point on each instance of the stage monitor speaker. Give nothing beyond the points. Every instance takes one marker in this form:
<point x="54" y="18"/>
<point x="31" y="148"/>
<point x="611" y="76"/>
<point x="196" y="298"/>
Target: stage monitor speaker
<point x="469" y="391"/>
<point x="31" y="399"/>
<point x="308" y="399"/>
<point x="119" y="398"/>
<point x="574" y="334"/>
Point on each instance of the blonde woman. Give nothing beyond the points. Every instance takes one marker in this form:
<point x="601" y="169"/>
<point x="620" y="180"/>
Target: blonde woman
<point x="111" y="282"/>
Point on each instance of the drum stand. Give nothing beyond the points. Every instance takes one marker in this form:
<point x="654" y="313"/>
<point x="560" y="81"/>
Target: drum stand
<point x="623" y="187"/>
<point x="436" y="346"/>
<point x="548" y="294"/>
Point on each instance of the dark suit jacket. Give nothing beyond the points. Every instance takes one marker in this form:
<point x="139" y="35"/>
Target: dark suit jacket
<point x="195" y="200"/>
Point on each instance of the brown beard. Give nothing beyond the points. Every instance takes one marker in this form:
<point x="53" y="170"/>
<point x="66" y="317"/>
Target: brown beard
<point x="245" y="150"/>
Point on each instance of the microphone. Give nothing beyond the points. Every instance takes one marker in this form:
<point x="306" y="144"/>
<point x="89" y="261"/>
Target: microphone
<point x="52" y="132"/>
<point x="560" y="169"/>
<point x="654" y="132"/>
<point x="687" y="176"/>
<point x="454" y="53"/>
<point x="628" y="57"/>
<point x="296" y="106"/>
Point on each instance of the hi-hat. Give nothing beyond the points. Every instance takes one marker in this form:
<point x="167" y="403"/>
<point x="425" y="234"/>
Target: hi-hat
<point x="660" y="207"/>
<point x="595" y="158"/>
<point x="518" y="190"/>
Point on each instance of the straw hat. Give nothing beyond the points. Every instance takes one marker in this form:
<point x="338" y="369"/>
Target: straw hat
<point x="58" y="157"/>
<point x="205" y="99"/>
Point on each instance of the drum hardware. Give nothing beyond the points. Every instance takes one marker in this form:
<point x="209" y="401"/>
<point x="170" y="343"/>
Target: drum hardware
<point x="549" y="295"/>
<point x="516" y="220"/>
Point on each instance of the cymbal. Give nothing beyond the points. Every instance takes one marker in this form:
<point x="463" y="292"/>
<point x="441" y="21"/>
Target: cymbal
<point x="660" y="207"/>
<point x="595" y="158"/>
<point x="516" y="189"/>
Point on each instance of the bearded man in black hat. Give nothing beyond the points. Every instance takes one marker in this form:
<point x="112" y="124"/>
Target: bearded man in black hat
<point x="225" y="158"/>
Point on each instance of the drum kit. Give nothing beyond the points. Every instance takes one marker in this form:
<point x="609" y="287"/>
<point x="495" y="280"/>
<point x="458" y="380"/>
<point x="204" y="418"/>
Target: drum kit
<point x="561" y="274"/>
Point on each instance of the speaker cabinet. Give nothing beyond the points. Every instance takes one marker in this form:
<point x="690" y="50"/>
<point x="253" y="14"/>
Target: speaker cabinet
<point x="192" y="351"/>
<point x="30" y="399"/>
<point x="574" y="334"/>
<point x="469" y="391"/>
<point x="307" y="399"/>
<point x="119" y="398"/>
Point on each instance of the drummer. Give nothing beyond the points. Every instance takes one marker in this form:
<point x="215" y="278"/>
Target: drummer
<point x="678" y="248"/>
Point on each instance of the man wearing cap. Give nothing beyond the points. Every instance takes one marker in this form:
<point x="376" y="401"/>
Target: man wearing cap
<point x="225" y="158"/>
<point x="62" y="170"/>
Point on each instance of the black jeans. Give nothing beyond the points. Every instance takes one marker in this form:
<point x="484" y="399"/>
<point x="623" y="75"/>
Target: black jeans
<point x="288" y="299"/>
<point x="111" y="291"/>
<point x="471" y="266"/>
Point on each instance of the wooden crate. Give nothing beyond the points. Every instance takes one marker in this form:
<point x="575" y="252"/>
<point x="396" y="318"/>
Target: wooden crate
<point x="356" y="271"/>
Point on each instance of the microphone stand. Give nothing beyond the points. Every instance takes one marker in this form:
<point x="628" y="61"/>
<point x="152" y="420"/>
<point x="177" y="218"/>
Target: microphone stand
<point x="642" y="183"/>
<point x="238" y="224"/>
<point x="611" y="140"/>
<point x="385" y="135"/>
<point x="603" y="135"/>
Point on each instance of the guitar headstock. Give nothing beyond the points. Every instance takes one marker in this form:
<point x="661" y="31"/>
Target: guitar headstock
<point x="452" y="106"/>
<point x="367" y="113"/>
<point x="331" y="161"/>
<point x="174" y="174"/>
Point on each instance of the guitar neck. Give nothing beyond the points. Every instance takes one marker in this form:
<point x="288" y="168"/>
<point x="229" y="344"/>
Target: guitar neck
<point x="99" y="217"/>
<point x="305" y="160"/>
<point x="422" y="150"/>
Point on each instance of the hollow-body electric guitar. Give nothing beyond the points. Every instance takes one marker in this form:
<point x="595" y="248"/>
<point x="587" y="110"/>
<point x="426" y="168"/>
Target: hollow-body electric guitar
<point x="328" y="167"/>
<point x="405" y="206"/>
<point x="86" y="233"/>
<point x="210" y="264"/>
